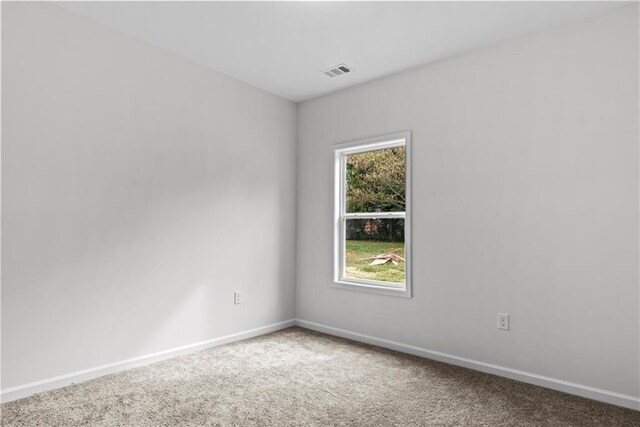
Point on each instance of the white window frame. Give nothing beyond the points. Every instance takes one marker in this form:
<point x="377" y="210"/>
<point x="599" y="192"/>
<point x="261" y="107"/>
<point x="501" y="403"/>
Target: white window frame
<point x="340" y="152"/>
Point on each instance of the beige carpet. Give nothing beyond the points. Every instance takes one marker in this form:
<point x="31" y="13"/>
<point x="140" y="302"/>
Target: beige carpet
<point x="300" y="378"/>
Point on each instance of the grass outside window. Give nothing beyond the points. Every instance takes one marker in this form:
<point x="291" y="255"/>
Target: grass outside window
<point x="359" y="254"/>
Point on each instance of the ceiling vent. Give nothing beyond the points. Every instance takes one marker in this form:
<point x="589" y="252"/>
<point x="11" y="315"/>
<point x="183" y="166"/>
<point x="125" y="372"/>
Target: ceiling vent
<point x="337" y="70"/>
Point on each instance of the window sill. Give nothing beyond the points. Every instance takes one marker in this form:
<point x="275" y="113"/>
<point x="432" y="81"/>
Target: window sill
<point x="399" y="291"/>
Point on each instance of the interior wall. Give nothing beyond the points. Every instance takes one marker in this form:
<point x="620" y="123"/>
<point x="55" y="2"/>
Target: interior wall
<point x="139" y="191"/>
<point x="525" y="201"/>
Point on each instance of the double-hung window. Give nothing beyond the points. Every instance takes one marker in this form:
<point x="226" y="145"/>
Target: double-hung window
<point x="372" y="215"/>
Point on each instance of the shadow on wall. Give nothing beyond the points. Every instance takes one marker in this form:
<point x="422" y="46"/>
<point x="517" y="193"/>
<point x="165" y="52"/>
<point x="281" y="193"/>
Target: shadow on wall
<point x="144" y="242"/>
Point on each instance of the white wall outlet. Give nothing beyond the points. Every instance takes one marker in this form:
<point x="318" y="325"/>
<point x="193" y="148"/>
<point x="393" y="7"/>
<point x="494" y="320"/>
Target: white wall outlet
<point x="237" y="297"/>
<point x="503" y="321"/>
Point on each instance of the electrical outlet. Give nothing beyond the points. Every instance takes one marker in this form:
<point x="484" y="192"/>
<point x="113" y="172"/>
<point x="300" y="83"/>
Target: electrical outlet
<point x="503" y="321"/>
<point x="237" y="297"/>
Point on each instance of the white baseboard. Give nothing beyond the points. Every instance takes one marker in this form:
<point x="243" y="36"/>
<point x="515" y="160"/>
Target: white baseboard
<point x="618" y="399"/>
<point x="25" y="390"/>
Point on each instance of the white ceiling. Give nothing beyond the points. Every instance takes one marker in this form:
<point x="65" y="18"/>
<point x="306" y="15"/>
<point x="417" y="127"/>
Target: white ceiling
<point x="282" y="46"/>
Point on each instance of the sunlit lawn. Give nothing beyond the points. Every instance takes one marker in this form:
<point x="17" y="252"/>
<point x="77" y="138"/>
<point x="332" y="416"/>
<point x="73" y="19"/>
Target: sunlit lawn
<point x="358" y="253"/>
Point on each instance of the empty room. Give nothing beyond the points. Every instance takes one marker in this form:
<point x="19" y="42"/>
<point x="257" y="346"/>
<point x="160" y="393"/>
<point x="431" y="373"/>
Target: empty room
<point x="323" y="213"/>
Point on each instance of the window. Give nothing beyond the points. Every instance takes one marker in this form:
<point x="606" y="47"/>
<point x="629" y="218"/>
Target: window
<point x="372" y="215"/>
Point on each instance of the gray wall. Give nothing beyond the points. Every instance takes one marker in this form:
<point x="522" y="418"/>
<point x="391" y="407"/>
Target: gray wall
<point x="139" y="191"/>
<point x="525" y="200"/>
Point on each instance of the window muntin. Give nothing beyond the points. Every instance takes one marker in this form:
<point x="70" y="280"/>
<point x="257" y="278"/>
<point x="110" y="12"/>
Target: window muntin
<point x="372" y="215"/>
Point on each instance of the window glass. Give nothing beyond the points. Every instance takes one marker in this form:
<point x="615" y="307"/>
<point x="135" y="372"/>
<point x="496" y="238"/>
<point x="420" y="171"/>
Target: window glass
<point x="374" y="249"/>
<point x="376" y="181"/>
